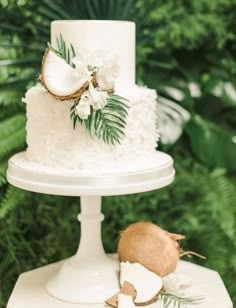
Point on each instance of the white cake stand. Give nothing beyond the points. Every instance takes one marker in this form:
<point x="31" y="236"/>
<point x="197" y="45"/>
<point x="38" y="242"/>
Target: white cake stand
<point x="90" y="276"/>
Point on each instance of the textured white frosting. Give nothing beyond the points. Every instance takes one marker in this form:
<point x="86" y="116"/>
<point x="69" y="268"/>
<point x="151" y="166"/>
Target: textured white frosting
<point x="52" y="140"/>
<point x="110" y="36"/>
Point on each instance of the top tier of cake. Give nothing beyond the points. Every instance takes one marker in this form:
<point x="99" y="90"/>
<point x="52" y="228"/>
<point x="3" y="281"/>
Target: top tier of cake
<point x="115" y="37"/>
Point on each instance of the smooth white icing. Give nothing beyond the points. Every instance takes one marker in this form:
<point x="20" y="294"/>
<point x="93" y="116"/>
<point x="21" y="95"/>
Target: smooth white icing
<point x="113" y="37"/>
<point x="52" y="140"/>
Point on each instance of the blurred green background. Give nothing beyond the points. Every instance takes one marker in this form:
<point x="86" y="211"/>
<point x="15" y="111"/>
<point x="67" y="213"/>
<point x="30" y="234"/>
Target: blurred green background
<point x="186" y="51"/>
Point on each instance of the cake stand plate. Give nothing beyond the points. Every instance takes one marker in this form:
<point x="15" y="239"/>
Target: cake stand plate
<point x="57" y="181"/>
<point x="90" y="276"/>
<point x="30" y="289"/>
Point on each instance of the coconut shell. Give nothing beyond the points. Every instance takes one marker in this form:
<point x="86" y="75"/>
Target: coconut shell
<point x="151" y="246"/>
<point x="154" y="299"/>
<point x="127" y="289"/>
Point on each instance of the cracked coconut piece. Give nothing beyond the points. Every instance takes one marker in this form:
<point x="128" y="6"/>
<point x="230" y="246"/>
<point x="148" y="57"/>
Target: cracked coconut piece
<point x="127" y="289"/>
<point x="147" y="284"/>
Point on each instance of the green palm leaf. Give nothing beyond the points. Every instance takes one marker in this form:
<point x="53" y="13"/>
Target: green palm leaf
<point x="110" y="122"/>
<point x="170" y="300"/>
<point x="213" y="145"/>
<point x="107" y="123"/>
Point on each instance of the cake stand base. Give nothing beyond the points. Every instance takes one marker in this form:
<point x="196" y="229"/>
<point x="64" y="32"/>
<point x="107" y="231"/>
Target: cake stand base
<point x="30" y="290"/>
<point x="90" y="276"/>
<point x="85" y="281"/>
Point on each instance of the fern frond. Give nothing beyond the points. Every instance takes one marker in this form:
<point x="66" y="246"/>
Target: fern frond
<point x="3" y="168"/>
<point x="11" y="200"/>
<point x="12" y="142"/>
<point x="9" y="97"/>
<point x="223" y="198"/>
<point x="11" y="125"/>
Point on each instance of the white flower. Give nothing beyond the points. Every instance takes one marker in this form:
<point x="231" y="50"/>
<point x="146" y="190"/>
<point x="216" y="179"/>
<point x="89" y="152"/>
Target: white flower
<point x="81" y="70"/>
<point x="83" y="107"/>
<point x="106" y="76"/>
<point x="105" y="66"/>
<point x="177" y="284"/>
<point x="98" y="98"/>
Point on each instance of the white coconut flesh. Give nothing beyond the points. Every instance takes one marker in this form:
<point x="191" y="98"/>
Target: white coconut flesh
<point x="59" y="77"/>
<point x="146" y="283"/>
<point x="125" y="301"/>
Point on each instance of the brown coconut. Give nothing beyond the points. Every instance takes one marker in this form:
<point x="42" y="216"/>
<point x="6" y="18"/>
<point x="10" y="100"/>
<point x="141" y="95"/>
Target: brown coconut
<point x="151" y="246"/>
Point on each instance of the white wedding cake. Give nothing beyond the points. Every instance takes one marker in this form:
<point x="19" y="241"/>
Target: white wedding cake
<point x="69" y="130"/>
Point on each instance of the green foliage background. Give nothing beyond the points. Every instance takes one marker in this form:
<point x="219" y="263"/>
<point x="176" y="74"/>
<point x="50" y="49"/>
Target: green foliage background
<point x="181" y="46"/>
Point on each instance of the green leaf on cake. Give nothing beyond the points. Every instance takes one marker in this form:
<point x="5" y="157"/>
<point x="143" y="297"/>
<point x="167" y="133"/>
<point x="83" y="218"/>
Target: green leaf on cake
<point x="66" y="53"/>
<point x="108" y="123"/>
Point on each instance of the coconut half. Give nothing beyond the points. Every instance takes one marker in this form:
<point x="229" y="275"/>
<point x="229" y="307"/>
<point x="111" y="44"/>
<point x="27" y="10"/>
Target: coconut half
<point x="146" y="283"/>
<point x="148" y="244"/>
<point x="59" y="78"/>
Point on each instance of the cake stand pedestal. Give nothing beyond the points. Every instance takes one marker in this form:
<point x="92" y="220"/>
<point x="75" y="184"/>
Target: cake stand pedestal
<point x="90" y="276"/>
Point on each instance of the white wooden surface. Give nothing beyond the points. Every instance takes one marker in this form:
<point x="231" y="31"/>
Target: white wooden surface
<point x="30" y="290"/>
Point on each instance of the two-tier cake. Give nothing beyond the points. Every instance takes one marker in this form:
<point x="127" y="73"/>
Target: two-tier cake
<point x="103" y="53"/>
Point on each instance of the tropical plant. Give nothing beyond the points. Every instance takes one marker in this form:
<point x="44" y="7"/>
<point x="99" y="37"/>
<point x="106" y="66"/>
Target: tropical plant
<point x="186" y="51"/>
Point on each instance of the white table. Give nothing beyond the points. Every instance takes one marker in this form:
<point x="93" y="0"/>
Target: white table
<point x="30" y="291"/>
